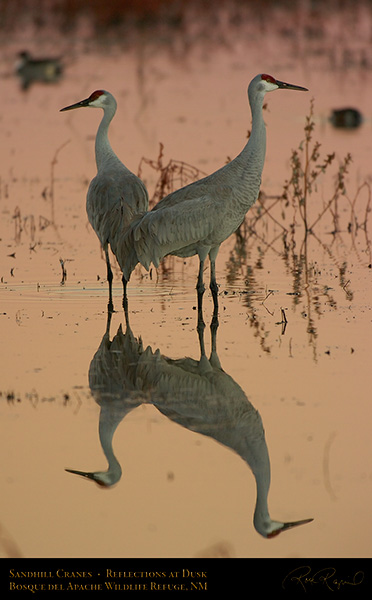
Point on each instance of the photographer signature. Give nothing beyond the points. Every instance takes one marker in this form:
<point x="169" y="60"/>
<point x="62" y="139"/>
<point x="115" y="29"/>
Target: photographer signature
<point x="303" y="577"/>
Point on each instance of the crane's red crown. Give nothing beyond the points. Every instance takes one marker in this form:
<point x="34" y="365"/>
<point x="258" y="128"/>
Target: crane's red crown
<point x="268" y="78"/>
<point x="96" y="95"/>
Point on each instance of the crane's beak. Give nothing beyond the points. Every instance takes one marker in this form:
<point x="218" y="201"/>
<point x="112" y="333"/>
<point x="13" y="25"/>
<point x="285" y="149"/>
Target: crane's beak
<point x="76" y="105"/>
<point x="289" y="86"/>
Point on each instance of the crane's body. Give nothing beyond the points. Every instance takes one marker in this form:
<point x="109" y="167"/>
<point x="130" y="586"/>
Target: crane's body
<point x="197" y="218"/>
<point x="116" y="195"/>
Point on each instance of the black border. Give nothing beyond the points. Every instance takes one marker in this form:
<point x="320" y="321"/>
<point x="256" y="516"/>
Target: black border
<point x="202" y="577"/>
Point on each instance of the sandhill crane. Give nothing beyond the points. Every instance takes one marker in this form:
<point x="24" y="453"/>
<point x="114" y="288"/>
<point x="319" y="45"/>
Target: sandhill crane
<point x="115" y="195"/>
<point x="29" y="70"/>
<point x="197" y="394"/>
<point x="197" y="218"/>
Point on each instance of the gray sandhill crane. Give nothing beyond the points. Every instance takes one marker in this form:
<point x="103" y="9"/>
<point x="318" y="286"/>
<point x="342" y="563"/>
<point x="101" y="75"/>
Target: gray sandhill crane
<point x="196" y="219"/>
<point x="196" y="394"/>
<point x="116" y="195"/>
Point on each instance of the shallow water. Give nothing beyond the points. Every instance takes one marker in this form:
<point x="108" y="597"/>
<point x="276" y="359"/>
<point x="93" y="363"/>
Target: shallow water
<point x="183" y="494"/>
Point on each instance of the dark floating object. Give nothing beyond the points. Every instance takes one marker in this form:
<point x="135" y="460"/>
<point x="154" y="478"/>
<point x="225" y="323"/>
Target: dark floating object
<point x="346" y="118"/>
<point x="29" y="70"/>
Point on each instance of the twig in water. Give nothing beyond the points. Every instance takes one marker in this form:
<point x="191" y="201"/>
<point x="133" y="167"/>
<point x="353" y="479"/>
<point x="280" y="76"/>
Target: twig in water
<point x="284" y="321"/>
<point x="263" y="302"/>
<point x="64" y="272"/>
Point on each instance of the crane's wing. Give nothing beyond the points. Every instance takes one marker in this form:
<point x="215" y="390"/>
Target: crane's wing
<point x="113" y="203"/>
<point x="184" y="221"/>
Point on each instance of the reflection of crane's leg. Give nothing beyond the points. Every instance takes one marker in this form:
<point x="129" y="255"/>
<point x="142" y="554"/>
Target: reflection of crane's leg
<point x="125" y="303"/>
<point x="204" y="365"/>
<point x="125" y="297"/>
<point x="213" y="283"/>
<point x="213" y="359"/>
<point x="108" y="322"/>
<point x="110" y="278"/>
<point x="200" y="329"/>
<point x="214" y="326"/>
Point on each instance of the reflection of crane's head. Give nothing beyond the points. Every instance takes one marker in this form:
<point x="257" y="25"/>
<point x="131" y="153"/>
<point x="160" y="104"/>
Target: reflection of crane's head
<point x="271" y="529"/>
<point x="104" y="479"/>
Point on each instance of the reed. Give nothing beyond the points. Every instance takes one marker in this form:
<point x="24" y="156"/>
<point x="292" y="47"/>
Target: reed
<point x="307" y="167"/>
<point x="170" y="176"/>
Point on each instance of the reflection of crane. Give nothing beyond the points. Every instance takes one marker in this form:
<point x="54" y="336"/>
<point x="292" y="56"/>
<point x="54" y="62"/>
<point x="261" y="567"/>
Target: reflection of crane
<point x="197" y="218"/>
<point x="115" y="195"/>
<point x="196" y="394"/>
<point x="112" y="383"/>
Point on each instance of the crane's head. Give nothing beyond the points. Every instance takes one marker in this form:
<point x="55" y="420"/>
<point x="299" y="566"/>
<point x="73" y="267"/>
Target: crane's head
<point x="270" y="529"/>
<point x="266" y="83"/>
<point x="98" y="99"/>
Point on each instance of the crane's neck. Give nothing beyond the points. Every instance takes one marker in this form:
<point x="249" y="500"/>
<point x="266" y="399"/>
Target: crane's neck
<point x="104" y="152"/>
<point x="255" y="148"/>
<point x="258" y="133"/>
<point x="247" y="167"/>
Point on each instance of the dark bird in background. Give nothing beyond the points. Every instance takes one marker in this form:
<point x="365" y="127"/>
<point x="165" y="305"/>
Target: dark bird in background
<point x="346" y="118"/>
<point x="44" y="70"/>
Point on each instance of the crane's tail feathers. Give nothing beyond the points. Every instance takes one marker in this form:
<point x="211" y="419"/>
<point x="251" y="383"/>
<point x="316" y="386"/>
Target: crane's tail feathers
<point x="136" y="245"/>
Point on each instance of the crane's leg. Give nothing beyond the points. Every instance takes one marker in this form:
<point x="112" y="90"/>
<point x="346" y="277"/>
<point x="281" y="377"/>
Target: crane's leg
<point x="213" y="283"/>
<point x="200" y="288"/>
<point x="110" y="278"/>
